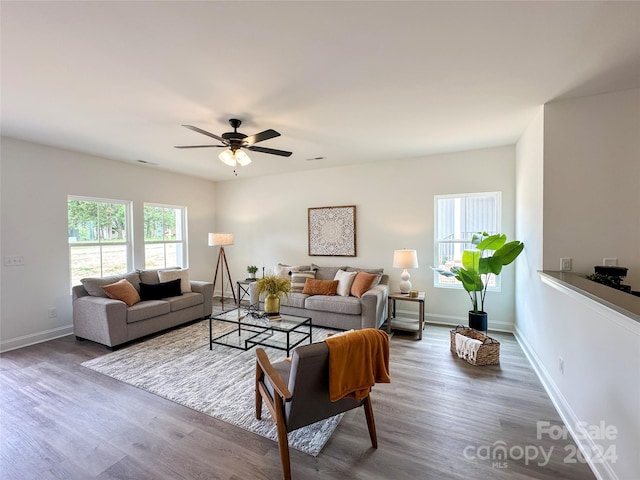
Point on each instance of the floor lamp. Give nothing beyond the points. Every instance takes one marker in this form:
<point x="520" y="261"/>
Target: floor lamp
<point x="221" y="240"/>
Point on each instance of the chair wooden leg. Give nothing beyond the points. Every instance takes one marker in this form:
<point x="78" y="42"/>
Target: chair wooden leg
<point x="259" y="376"/>
<point x="371" y="424"/>
<point x="283" y="440"/>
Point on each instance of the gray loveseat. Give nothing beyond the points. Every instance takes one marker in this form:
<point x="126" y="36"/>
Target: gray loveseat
<point x="111" y="322"/>
<point x="335" y="311"/>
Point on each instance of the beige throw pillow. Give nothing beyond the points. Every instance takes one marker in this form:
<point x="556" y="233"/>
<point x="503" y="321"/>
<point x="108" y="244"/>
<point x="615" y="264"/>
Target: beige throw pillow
<point x="345" y="280"/>
<point x="183" y="275"/>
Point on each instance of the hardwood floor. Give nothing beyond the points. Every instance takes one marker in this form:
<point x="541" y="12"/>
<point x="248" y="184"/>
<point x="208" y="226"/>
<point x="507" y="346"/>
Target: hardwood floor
<point x="440" y="418"/>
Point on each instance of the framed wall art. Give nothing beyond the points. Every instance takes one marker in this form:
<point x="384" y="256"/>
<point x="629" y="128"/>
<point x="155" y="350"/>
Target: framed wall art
<point x="332" y="231"/>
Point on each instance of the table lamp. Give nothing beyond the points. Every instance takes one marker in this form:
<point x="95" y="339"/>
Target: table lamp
<point x="405" y="259"/>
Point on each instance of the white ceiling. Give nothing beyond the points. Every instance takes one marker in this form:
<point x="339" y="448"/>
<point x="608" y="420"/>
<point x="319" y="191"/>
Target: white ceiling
<point x="348" y="81"/>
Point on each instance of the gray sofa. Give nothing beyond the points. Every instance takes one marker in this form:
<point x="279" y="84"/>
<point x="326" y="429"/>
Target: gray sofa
<point x="335" y="311"/>
<point x="112" y="323"/>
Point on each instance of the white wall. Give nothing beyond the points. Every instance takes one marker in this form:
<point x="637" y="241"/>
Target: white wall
<point x="268" y="216"/>
<point x="600" y="349"/>
<point x="592" y="182"/>
<point x="394" y="209"/>
<point x="35" y="182"/>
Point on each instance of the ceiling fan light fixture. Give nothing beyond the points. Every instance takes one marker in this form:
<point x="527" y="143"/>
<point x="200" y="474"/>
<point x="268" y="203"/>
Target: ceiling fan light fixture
<point x="227" y="158"/>
<point x="231" y="158"/>
<point x="242" y="158"/>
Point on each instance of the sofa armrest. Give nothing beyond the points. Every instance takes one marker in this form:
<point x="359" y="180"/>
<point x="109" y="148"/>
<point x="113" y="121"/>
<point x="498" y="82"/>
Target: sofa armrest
<point x="78" y="291"/>
<point x="374" y="306"/>
<point x="206" y="289"/>
<point x="100" y="319"/>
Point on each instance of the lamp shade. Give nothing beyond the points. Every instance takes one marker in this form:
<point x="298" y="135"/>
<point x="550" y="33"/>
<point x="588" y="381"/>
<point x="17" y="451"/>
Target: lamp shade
<point x="231" y="158"/>
<point x="405" y="259"/>
<point x="220" y="239"/>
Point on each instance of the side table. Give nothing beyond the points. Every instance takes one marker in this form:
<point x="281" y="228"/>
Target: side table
<point x="243" y="290"/>
<point x="406" y="324"/>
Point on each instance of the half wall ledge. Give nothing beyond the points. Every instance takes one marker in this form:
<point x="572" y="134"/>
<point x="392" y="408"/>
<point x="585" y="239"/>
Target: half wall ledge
<point x="623" y="303"/>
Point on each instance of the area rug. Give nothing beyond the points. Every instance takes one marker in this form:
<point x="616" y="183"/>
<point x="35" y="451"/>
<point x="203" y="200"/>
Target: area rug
<point x="179" y="366"/>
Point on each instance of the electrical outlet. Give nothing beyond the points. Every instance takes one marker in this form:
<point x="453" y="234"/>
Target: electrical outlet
<point x="561" y="365"/>
<point x="52" y="312"/>
<point x="565" y="264"/>
<point x="610" y="262"/>
<point x="13" y="260"/>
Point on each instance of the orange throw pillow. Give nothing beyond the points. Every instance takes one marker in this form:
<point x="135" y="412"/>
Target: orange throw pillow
<point x="320" y="287"/>
<point x="123" y="291"/>
<point x="362" y="283"/>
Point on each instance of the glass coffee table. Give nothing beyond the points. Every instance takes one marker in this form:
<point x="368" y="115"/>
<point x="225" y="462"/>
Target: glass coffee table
<point x="283" y="334"/>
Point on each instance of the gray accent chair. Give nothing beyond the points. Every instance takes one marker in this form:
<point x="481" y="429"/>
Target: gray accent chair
<point x="296" y="393"/>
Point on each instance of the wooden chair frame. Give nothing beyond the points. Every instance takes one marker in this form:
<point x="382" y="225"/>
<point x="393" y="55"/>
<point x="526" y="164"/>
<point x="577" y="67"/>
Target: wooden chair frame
<point x="276" y="406"/>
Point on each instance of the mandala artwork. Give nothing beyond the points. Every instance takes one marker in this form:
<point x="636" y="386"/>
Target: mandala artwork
<point x="332" y="231"/>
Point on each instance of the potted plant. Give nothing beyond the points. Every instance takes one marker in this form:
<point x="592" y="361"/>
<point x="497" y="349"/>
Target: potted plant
<point x="251" y="270"/>
<point x="489" y="255"/>
<point x="274" y="287"/>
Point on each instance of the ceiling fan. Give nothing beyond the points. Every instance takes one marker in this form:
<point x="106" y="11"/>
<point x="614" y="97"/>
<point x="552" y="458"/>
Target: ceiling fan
<point x="236" y="141"/>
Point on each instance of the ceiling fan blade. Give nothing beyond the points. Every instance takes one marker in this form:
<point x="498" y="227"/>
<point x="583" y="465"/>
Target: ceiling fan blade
<point x="272" y="151"/>
<point x="260" y="137"/>
<point x="204" y="132"/>
<point x="199" y="146"/>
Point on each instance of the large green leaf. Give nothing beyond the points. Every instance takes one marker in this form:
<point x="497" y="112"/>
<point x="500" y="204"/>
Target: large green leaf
<point x="477" y="237"/>
<point x="490" y="265"/>
<point x="444" y="272"/>
<point x="495" y="265"/>
<point x="470" y="281"/>
<point x="509" y="252"/>
<point x="471" y="259"/>
<point x="492" y="242"/>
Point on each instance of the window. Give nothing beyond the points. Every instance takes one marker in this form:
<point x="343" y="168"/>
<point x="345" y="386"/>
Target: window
<point x="99" y="242"/>
<point x="164" y="236"/>
<point x="457" y="218"/>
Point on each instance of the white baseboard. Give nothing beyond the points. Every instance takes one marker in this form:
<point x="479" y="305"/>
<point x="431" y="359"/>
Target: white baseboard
<point x="33" y="338"/>
<point x="602" y="470"/>
<point x="455" y="320"/>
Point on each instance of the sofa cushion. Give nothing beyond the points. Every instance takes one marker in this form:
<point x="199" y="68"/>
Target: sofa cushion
<point x="185" y="300"/>
<point x="182" y="274"/>
<point x="147" y="309"/>
<point x="160" y="290"/>
<point x="334" y="304"/>
<point x="320" y="287"/>
<point x="294" y="299"/>
<point x="362" y="283"/>
<point x="345" y="280"/>
<point x="298" y="280"/>
<point x="151" y="276"/>
<point x="326" y="273"/>
<point x="93" y="285"/>
<point x="122" y="290"/>
<point x="366" y="270"/>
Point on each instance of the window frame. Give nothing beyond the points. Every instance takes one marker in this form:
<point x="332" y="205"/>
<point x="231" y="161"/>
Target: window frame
<point x="440" y="281"/>
<point x="128" y="243"/>
<point x="182" y="244"/>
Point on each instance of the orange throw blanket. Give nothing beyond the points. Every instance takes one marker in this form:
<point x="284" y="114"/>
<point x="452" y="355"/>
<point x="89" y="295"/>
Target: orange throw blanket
<point x="357" y="360"/>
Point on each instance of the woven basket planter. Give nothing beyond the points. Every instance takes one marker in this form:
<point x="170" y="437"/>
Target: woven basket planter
<point x="489" y="351"/>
